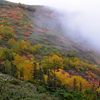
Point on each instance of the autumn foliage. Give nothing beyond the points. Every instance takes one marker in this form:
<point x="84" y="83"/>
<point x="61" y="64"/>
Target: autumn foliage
<point x="39" y="60"/>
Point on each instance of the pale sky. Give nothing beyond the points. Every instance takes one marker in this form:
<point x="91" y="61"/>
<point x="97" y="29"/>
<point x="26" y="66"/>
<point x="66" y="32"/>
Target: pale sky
<point x="61" y="4"/>
<point x="88" y="20"/>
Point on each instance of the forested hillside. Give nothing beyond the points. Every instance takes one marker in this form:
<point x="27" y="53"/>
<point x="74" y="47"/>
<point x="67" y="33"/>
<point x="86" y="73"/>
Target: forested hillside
<point x="35" y="50"/>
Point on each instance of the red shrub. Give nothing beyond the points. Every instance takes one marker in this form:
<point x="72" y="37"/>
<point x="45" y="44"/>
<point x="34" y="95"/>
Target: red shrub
<point x="42" y="31"/>
<point x="2" y="62"/>
<point x="17" y="17"/>
<point x="63" y="72"/>
<point x="25" y="57"/>
<point x="3" y="10"/>
<point x="4" y="15"/>
<point x="30" y="55"/>
<point x="72" y="72"/>
<point x="15" y="36"/>
<point x="33" y="31"/>
<point x="12" y="27"/>
<point x="30" y="25"/>
<point x="5" y="39"/>
<point x="1" y="37"/>
<point x="38" y="56"/>
<point x="27" y="28"/>
<point x="46" y="39"/>
<point x="70" y="76"/>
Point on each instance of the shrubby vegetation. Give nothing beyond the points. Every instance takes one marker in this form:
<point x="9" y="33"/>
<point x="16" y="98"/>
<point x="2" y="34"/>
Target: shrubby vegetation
<point x="6" y="32"/>
<point x="13" y="90"/>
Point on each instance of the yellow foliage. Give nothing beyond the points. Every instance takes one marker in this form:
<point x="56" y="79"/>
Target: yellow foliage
<point x="98" y="90"/>
<point x="52" y="62"/>
<point x="11" y="41"/>
<point x="25" y="68"/>
<point x="62" y="77"/>
<point x="79" y="64"/>
<point x="21" y="47"/>
<point x="18" y="59"/>
<point x="23" y="44"/>
<point x="85" y="84"/>
<point x="35" y="48"/>
<point x="6" y="32"/>
<point x="45" y="78"/>
<point x="1" y="53"/>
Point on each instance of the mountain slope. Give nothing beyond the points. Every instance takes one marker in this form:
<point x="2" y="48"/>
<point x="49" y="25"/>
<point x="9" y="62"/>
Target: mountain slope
<point x="35" y="48"/>
<point x="47" y="29"/>
<point x="50" y="34"/>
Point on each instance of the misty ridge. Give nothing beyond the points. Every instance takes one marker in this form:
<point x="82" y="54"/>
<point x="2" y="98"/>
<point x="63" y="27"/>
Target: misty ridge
<point x="81" y="19"/>
<point x="83" y="24"/>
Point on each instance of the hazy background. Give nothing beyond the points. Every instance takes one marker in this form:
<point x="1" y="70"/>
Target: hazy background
<point x="79" y="16"/>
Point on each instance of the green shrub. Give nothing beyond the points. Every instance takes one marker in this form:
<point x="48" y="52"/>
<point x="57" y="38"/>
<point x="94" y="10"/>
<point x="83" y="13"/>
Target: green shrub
<point x="41" y="89"/>
<point x="68" y="96"/>
<point x="78" y="95"/>
<point x="89" y="95"/>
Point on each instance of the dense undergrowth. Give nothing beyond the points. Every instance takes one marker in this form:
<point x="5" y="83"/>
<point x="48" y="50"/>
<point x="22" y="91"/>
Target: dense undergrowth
<point x="34" y="49"/>
<point x="14" y="89"/>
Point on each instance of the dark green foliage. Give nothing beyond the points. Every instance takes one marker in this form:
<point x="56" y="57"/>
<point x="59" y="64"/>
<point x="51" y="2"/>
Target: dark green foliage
<point x="90" y="95"/>
<point x="13" y="70"/>
<point x="15" y="82"/>
<point x="41" y="89"/>
<point x="9" y="54"/>
<point x="68" y="96"/>
<point x="29" y="8"/>
<point x="78" y="95"/>
<point x="80" y="87"/>
<point x="74" y="84"/>
<point x="60" y="93"/>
